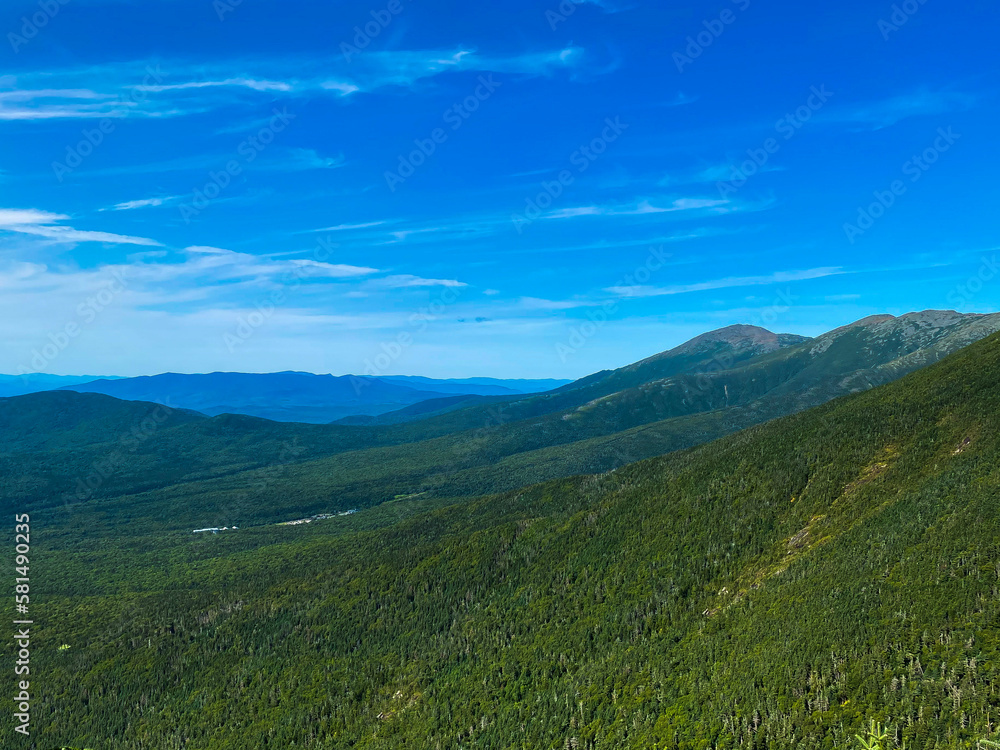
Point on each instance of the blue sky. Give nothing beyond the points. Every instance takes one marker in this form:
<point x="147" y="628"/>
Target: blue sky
<point x="517" y="189"/>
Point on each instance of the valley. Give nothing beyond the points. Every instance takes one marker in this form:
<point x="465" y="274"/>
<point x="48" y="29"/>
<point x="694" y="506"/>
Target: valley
<point x="780" y="586"/>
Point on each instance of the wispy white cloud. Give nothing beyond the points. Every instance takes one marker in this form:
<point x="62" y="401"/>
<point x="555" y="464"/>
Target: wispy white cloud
<point x="643" y="207"/>
<point x="201" y="273"/>
<point x="15" y="273"/>
<point x="614" y="245"/>
<point x="307" y="158"/>
<point x="530" y="304"/>
<point x="404" y="234"/>
<point x="385" y="68"/>
<point x="227" y="264"/>
<point x="709" y="175"/>
<point x="178" y="88"/>
<point x="253" y="84"/>
<point x="63" y="234"/>
<point x="346" y="227"/>
<point x="779" y="277"/>
<point x="143" y="203"/>
<point x="450" y="229"/>
<point x="51" y="227"/>
<point x="679" y="100"/>
<point x="883" y="114"/>
<point x="277" y="160"/>
<point x="333" y="270"/>
<point x="407" y="281"/>
<point x="25" y="216"/>
<point x="87" y="95"/>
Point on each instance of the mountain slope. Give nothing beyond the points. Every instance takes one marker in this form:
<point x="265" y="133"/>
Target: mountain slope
<point x="735" y="366"/>
<point x="64" y="421"/>
<point x="475" y="386"/>
<point x="868" y="353"/>
<point x="777" y="588"/>
<point x="60" y="446"/>
<point x="721" y="349"/>
<point x="200" y="473"/>
<point x="48" y="469"/>
<point x="649" y="420"/>
<point x="423" y="410"/>
<point x="778" y="381"/>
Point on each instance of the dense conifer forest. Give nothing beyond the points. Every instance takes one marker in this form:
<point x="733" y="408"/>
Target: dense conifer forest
<point x="781" y="587"/>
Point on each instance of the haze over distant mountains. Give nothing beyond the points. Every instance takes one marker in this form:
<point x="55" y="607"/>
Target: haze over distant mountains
<point x="19" y="385"/>
<point x="300" y="396"/>
<point x="890" y="347"/>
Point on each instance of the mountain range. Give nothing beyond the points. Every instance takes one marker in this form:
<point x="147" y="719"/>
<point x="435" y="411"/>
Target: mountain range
<point x="749" y="585"/>
<point x="871" y="351"/>
<point x="284" y="396"/>
<point x="712" y="386"/>
<point x="19" y="385"/>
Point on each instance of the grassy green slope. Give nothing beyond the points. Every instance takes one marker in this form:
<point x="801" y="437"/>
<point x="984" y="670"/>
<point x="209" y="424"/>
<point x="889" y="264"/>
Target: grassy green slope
<point x="776" y="589"/>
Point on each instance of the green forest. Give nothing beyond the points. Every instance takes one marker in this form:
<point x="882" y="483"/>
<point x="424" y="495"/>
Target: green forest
<point x="781" y="587"/>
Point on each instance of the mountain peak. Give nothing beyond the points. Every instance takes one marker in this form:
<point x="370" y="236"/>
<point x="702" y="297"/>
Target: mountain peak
<point x="910" y="322"/>
<point x="871" y="320"/>
<point x="936" y="318"/>
<point x="911" y="332"/>
<point x="740" y="337"/>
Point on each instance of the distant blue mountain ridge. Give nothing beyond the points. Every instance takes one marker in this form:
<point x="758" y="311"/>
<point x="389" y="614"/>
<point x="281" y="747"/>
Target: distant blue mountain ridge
<point x="282" y="396"/>
<point x="20" y="385"/>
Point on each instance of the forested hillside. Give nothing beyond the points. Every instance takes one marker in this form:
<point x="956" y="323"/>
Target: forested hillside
<point x="177" y="470"/>
<point x="777" y="588"/>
